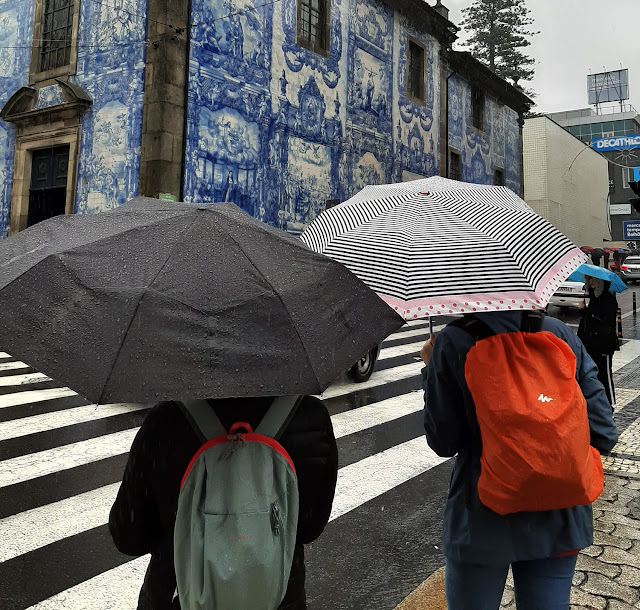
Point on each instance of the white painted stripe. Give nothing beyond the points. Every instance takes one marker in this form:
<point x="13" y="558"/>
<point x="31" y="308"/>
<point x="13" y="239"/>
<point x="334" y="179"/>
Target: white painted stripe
<point x="377" y="379"/>
<point x="24" y="398"/>
<point x="402" y="350"/>
<point x="375" y="414"/>
<point x="59" y="419"/>
<point x="26" y="467"/>
<point x="357" y="483"/>
<point x="10" y="366"/>
<point x="35" y="528"/>
<point x="5" y="355"/>
<point x="23" y="379"/>
<point x="369" y="478"/>
<point x="626" y="354"/>
<point x="33" y="465"/>
<point x="118" y="588"/>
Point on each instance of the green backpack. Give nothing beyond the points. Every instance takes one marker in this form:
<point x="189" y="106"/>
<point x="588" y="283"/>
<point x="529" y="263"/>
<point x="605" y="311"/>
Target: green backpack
<point x="237" y="516"/>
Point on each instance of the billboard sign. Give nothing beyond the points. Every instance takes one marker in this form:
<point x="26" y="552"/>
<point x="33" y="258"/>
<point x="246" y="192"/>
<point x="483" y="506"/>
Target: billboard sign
<point x="608" y="86"/>
<point x="631" y="230"/>
<point x="620" y="208"/>
<point x="619" y="143"/>
<point x="636" y="174"/>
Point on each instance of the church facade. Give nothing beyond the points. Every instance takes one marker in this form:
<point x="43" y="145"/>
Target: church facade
<point x="283" y="108"/>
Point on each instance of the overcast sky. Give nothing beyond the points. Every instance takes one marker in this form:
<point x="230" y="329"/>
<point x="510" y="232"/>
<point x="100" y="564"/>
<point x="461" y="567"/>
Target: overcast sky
<point x="577" y="37"/>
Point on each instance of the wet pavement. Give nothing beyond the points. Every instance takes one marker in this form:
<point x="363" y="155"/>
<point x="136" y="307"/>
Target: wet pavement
<point x="608" y="573"/>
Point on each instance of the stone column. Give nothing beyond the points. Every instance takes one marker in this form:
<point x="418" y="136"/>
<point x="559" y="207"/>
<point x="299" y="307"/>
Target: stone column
<point x="163" y="115"/>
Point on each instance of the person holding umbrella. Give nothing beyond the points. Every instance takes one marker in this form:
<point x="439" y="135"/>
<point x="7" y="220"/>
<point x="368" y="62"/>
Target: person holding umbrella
<point x="597" y="328"/>
<point x="143" y="517"/>
<point x="220" y="307"/>
<point x="478" y="543"/>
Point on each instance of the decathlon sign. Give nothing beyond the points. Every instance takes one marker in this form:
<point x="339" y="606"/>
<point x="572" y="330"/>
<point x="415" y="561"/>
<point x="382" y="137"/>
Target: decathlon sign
<point x="620" y="143"/>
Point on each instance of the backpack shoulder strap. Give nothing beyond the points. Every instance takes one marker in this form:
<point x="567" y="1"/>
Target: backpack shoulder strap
<point x="203" y="419"/>
<point x="532" y="321"/>
<point x="476" y="328"/>
<point x="278" y="416"/>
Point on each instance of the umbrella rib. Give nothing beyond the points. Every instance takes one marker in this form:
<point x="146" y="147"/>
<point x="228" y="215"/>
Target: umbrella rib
<point x="274" y="292"/>
<point x="135" y="311"/>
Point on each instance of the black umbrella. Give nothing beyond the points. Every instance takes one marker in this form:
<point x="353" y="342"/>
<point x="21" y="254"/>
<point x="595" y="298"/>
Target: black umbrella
<point x="158" y="301"/>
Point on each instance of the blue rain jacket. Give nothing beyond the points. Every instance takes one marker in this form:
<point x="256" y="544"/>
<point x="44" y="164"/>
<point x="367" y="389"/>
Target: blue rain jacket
<point x="471" y="532"/>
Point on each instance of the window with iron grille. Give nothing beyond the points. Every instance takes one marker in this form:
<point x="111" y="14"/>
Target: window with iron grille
<point x="313" y="25"/>
<point x="455" y="172"/>
<point x="57" y="34"/>
<point x="477" y="108"/>
<point x="498" y="176"/>
<point x="415" y="71"/>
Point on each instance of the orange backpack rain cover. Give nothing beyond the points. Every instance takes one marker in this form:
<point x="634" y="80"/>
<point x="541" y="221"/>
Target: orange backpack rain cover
<point x="533" y="422"/>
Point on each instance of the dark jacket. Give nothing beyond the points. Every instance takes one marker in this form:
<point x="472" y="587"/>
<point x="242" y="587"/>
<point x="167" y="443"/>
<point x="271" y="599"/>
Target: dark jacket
<point x="597" y="329"/>
<point x="471" y="532"/>
<point x="143" y="516"/>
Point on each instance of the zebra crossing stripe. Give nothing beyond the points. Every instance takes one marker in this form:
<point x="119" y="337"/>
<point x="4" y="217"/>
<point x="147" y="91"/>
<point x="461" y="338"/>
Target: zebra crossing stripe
<point x="30" y="396"/>
<point x="59" y="419"/>
<point x="377" y="379"/>
<point x="369" y="478"/>
<point x="42" y="463"/>
<point x="23" y="379"/>
<point x="10" y="366"/>
<point x="626" y="354"/>
<point x="115" y="588"/>
<point x="34" y="465"/>
<point x="375" y="414"/>
<point x="357" y="484"/>
<point x="35" y="528"/>
<point x="402" y="350"/>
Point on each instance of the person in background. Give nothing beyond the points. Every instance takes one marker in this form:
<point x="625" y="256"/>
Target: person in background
<point x="142" y="519"/>
<point x="598" y="332"/>
<point x="479" y="545"/>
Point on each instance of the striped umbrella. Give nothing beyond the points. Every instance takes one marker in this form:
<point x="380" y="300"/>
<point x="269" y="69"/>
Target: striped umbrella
<point x="448" y="250"/>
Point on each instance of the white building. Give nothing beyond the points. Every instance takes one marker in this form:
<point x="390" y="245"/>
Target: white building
<point x="566" y="182"/>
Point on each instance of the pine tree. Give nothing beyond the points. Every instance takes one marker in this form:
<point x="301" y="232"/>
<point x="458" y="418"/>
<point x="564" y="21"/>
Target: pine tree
<point x="499" y="31"/>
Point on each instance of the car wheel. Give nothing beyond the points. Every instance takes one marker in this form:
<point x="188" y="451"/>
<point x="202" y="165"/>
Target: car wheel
<point x="361" y="370"/>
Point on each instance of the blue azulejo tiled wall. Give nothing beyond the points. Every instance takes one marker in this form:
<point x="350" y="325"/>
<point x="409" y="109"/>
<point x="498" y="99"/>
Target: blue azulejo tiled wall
<point x="16" y="26"/>
<point x="111" y="50"/>
<point x="279" y="129"/>
<point x="481" y="151"/>
<point x="111" y="62"/>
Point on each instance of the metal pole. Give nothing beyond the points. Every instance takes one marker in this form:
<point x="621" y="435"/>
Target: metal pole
<point x="619" y="323"/>
<point x="634" y="303"/>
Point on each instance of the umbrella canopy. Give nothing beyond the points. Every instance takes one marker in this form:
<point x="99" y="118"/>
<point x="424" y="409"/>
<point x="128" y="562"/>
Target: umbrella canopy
<point x="617" y="285"/>
<point x="159" y="301"/>
<point x="448" y="251"/>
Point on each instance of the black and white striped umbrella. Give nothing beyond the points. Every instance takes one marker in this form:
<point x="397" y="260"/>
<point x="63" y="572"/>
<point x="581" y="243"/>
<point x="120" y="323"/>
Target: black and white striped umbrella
<point x="456" y="248"/>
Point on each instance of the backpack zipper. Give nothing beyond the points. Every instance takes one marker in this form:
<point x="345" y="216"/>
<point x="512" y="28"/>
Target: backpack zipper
<point x="276" y="522"/>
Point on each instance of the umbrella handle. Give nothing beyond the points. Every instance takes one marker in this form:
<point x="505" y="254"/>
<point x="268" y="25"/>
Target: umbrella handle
<point x="430" y="326"/>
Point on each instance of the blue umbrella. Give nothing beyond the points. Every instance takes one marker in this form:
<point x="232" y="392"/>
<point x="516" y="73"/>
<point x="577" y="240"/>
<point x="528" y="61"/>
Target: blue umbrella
<point x="617" y="285"/>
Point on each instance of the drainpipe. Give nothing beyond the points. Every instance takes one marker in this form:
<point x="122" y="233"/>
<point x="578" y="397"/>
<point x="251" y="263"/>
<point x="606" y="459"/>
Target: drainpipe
<point x="186" y="104"/>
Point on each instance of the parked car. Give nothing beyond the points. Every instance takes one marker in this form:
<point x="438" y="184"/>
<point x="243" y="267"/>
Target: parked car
<point x="361" y="370"/>
<point x="630" y="269"/>
<point x="569" y="294"/>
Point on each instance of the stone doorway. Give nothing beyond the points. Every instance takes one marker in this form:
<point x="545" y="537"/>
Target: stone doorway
<point x="48" y="186"/>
